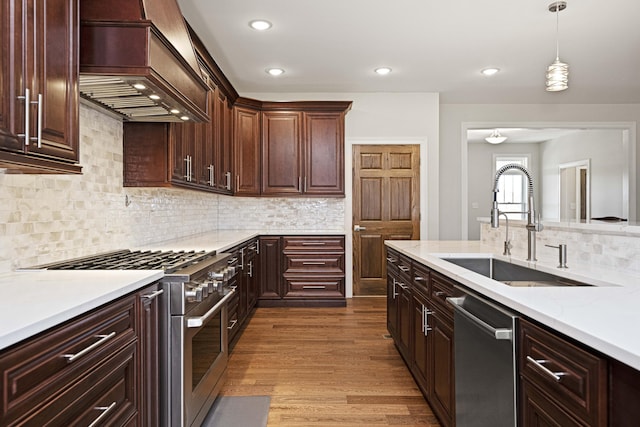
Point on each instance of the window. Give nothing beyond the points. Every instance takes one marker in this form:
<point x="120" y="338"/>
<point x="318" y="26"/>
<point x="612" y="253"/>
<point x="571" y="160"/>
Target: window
<point x="512" y="186"/>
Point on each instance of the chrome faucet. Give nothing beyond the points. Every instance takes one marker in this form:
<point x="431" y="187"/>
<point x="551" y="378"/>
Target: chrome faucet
<point x="533" y="221"/>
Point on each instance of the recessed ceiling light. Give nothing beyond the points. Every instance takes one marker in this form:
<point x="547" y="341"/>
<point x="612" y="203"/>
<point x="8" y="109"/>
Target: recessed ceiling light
<point x="139" y="86"/>
<point x="382" y="70"/>
<point x="260" y="24"/>
<point x="490" y="71"/>
<point x="154" y="97"/>
<point x="175" y="111"/>
<point x="275" y="71"/>
<point x="185" y="118"/>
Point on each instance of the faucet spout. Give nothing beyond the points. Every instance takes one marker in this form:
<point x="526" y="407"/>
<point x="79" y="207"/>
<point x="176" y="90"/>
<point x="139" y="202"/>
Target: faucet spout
<point x="533" y="221"/>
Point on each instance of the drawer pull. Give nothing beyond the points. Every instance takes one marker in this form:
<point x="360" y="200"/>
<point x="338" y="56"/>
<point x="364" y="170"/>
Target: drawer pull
<point x="233" y="324"/>
<point x="105" y="411"/>
<point x="440" y="293"/>
<point x="391" y="260"/>
<point x="404" y="268"/>
<point x="419" y="279"/>
<point x="313" y="287"/>
<point x="313" y="243"/>
<point x="313" y="263"/>
<point x="557" y="376"/>
<point x="153" y="294"/>
<point x="103" y="338"/>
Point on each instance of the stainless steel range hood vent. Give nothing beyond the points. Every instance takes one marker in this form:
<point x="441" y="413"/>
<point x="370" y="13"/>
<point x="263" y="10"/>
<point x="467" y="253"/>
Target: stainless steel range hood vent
<point x="137" y="59"/>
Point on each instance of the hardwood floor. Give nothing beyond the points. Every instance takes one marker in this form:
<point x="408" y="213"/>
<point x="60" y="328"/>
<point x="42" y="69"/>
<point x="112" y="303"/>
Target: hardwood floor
<point x="327" y="367"/>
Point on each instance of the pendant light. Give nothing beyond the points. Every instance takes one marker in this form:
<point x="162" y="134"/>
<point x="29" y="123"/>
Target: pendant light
<point x="557" y="72"/>
<point x="495" y="137"/>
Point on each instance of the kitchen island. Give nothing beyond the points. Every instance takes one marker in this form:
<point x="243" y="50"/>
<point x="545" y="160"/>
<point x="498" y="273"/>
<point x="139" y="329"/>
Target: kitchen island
<point x="603" y="316"/>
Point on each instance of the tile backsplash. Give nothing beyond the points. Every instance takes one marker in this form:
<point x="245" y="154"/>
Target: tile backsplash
<point x="47" y="218"/>
<point x="615" y="249"/>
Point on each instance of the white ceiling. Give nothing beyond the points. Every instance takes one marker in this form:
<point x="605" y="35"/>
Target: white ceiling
<point x="432" y="46"/>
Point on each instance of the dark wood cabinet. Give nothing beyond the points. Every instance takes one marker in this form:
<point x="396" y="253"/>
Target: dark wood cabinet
<point x="559" y="378"/>
<point x="101" y="364"/>
<point x="244" y="259"/>
<point x="223" y="146"/>
<point x="270" y="269"/>
<point x="39" y="96"/>
<point x="303" y="149"/>
<point x="246" y="145"/>
<point x="421" y="324"/>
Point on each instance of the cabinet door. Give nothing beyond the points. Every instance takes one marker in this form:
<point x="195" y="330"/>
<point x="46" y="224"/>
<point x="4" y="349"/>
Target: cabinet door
<point x="281" y="153"/>
<point x="246" y="138"/>
<point x="421" y="357"/>
<point x="392" y="304"/>
<point x="184" y="153"/>
<point x="404" y="320"/>
<point x="206" y="158"/>
<point x="323" y="154"/>
<point x="149" y="367"/>
<point x="443" y="391"/>
<point x="11" y="80"/>
<point x="537" y="410"/>
<point x="270" y="268"/>
<point x="55" y="78"/>
<point x="222" y="138"/>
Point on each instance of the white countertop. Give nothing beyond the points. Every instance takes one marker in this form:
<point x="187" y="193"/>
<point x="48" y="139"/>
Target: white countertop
<point x="605" y="317"/>
<point x="34" y="301"/>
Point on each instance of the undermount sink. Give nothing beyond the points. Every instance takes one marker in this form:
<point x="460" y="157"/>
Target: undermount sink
<point x="512" y="274"/>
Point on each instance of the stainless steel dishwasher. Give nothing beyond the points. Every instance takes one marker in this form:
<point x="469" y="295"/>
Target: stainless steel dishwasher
<point x="485" y="363"/>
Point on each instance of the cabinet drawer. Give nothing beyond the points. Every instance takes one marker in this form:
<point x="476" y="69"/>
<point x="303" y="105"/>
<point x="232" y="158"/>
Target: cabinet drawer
<point x="421" y="278"/>
<point x="573" y="377"/>
<point x="35" y="372"/>
<point x="108" y="393"/>
<point x="314" y="287"/>
<point x="441" y="288"/>
<point x="313" y="243"/>
<point x="308" y="263"/>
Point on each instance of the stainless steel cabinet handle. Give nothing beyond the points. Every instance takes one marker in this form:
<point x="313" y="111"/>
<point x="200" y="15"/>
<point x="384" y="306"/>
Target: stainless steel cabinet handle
<point x="403" y="286"/>
<point x="250" y="273"/>
<point x="305" y="184"/>
<point x="313" y="243"/>
<point x="103" y="339"/>
<point x="39" y="131"/>
<point x="395" y="292"/>
<point x="557" y="376"/>
<point x="227" y="175"/>
<point x="403" y="268"/>
<point x="153" y="294"/>
<point x="360" y="228"/>
<point x="314" y="287"/>
<point x="425" y="320"/>
<point x="212" y="179"/>
<point x="27" y="108"/>
<point x="314" y="263"/>
<point x="187" y="176"/>
<point x="233" y="324"/>
<point x="497" y="333"/>
<point x="391" y="260"/>
<point x="440" y="293"/>
<point x="237" y="182"/>
<point x="196" y="322"/>
<point x="105" y="411"/>
<point x="419" y="279"/>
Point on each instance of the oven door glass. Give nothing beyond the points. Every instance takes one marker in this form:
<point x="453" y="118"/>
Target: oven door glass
<point x="206" y="347"/>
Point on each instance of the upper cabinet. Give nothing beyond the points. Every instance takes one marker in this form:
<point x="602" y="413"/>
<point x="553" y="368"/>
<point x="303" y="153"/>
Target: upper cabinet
<point x="246" y="147"/>
<point x="39" y="86"/>
<point x="303" y="148"/>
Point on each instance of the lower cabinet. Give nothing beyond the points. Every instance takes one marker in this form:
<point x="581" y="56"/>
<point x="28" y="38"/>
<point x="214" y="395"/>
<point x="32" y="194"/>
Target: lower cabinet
<point x="100" y="367"/>
<point x="421" y="325"/>
<point x="244" y="258"/>
<point x="302" y="270"/>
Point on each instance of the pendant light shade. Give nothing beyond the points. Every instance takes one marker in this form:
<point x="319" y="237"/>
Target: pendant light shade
<point x="495" y="137"/>
<point x="557" y="72"/>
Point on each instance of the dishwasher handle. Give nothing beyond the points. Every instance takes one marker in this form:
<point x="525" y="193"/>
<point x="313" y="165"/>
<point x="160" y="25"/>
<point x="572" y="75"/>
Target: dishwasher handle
<point x="497" y="333"/>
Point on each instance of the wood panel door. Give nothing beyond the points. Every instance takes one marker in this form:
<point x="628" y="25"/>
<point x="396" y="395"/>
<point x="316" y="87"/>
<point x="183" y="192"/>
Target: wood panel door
<point x="386" y="206"/>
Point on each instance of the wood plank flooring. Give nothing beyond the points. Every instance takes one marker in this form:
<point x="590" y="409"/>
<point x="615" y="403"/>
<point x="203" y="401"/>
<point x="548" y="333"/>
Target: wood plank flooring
<point x="326" y="367"/>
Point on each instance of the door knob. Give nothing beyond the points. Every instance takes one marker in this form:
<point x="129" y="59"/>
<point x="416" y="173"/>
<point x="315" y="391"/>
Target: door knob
<point x="358" y="228"/>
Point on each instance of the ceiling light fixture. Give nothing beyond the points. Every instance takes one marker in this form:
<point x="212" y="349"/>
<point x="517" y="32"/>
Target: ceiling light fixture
<point x="275" y="71"/>
<point x="489" y="71"/>
<point x="495" y="137"/>
<point x="260" y="24"/>
<point x="154" y="96"/>
<point x="383" y="71"/>
<point x="557" y="72"/>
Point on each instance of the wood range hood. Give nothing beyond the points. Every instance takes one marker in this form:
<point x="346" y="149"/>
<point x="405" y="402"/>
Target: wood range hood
<point x="133" y="49"/>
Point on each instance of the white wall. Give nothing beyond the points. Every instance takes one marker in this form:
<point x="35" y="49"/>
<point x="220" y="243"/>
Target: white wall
<point x="453" y="160"/>
<point x="604" y="149"/>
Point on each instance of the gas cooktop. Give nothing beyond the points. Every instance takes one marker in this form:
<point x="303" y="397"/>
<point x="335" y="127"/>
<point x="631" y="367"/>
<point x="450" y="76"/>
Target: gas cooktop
<point x="168" y="261"/>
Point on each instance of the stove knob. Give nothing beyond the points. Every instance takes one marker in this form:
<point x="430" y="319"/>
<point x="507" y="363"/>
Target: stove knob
<point x="204" y="289"/>
<point x="216" y="275"/>
<point x="194" y="294"/>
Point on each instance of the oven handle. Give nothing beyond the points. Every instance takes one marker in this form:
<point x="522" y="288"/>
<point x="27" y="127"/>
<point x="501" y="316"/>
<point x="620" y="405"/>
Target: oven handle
<point x="196" y="322"/>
